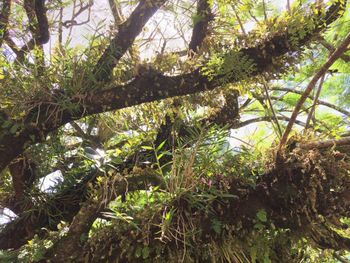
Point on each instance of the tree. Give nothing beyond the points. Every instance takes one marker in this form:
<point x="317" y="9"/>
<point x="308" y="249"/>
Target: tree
<point x="137" y="124"/>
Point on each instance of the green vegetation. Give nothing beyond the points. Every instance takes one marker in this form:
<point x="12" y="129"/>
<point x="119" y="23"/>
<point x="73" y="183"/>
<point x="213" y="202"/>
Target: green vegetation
<point x="174" y="131"/>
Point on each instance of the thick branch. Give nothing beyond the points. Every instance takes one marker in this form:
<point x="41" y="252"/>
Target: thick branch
<point x="326" y="144"/>
<point x="38" y="24"/>
<point x="200" y="29"/>
<point x="286" y="199"/>
<point x="127" y="33"/>
<point x="63" y="206"/>
<point x="144" y="88"/>
<point x="4" y="19"/>
<point x="153" y="87"/>
<point x="23" y="175"/>
<point x="70" y="245"/>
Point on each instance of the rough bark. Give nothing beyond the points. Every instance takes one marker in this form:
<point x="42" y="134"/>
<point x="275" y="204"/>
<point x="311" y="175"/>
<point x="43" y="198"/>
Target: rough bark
<point x="127" y="33"/>
<point x="47" y="117"/>
<point x="62" y="206"/>
<point x="38" y="25"/>
<point x="4" y="19"/>
<point x="69" y="247"/>
<point x="293" y="194"/>
<point x="133" y="93"/>
<point x="200" y="29"/>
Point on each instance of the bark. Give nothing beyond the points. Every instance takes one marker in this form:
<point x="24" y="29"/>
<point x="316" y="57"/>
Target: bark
<point x="335" y="55"/>
<point x="38" y="25"/>
<point x="4" y="19"/>
<point x="326" y="144"/>
<point x="37" y="123"/>
<point x="127" y="33"/>
<point x="46" y="118"/>
<point x="144" y="88"/>
<point x="69" y="247"/>
<point x="294" y="196"/>
<point x="62" y="206"/>
<point x="22" y="172"/>
<point x="200" y="29"/>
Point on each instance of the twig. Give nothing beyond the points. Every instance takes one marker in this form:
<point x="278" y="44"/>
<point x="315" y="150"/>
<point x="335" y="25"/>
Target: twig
<point x="341" y="259"/>
<point x="116" y="12"/>
<point x="265" y="118"/>
<point x="321" y="102"/>
<point x="336" y="54"/>
<point x="326" y="144"/>
<point x="239" y="20"/>
<point x="72" y="22"/>
<point x="328" y="46"/>
<point x="313" y="107"/>
<point x="264" y="6"/>
<point x="271" y="108"/>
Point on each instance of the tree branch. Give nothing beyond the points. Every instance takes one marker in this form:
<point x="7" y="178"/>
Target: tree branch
<point x="200" y="29"/>
<point x="313" y="107"/>
<point x="320" y="102"/>
<point x="286" y="201"/>
<point x="267" y="119"/>
<point x="116" y="12"/>
<point x="326" y="144"/>
<point x="4" y="19"/>
<point x="328" y="46"/>
<point x="64" y="205"/>
<point x="145" y="88"/>
<point x="38" y="25"/>
<point x="127" y="33"/>
<point x="69" y="246"/>
<point x="336" y="54"/>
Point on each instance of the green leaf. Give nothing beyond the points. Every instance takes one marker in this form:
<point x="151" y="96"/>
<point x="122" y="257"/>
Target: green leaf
<point x="160" y="156"/>
<point x="259" y="226"/>
<point x="14" y="128"/>
<point x="6" y="124"/>
<point x="2" y="76"/>
<point x="261" y="215"/>
<point x="145" y="252"/>
<point x="229" y="196"/>
<point x="160" y="146"/>
<point x="216" y="226"/>
<point x="147" y="147"/>
<point x="138" y="252"/>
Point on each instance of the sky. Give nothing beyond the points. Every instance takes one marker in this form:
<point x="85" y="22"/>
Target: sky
<point x="101" y="18"/>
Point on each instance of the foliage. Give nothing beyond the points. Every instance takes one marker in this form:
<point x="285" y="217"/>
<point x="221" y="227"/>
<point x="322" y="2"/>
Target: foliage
<point x="195" y="173"/>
